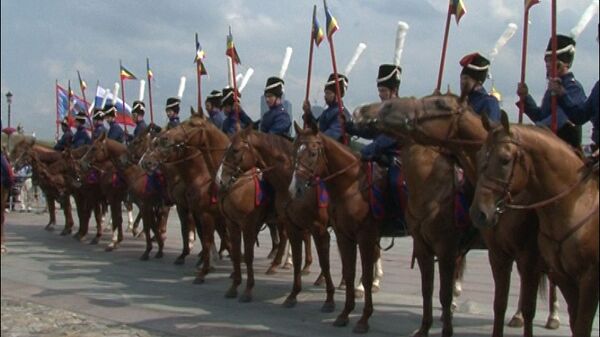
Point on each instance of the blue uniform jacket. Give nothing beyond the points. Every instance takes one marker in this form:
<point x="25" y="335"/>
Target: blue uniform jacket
<point x="276" y="121"/>
<point x="581" y="113"/>
<point x="81" y="137"/>
<point x="65" y="141"/>
<point x="115" y="132"/>
<point x="543" y="115"/>
<point x="173" y="122"/>
<point x="217" y="117"/>
<point x="99" y="129"/>
<point x="229" y="122"/>
<point x="481" y="102"/>
<point x="140" y="126"/>
<point x="329" y="122"/>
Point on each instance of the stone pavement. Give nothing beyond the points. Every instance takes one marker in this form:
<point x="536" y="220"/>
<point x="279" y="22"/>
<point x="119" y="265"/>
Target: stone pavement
<point x="44" y="273"/>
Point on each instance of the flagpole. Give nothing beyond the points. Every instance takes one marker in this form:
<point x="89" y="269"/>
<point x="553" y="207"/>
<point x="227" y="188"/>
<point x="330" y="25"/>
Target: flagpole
<point x="524" y="59"/>
<point x="149" y="89"/>
<point x="57" y="113"/>
<point x="310" y="57"/>
<point x="122" y="96"/>
<point x="234" y="81"/>
<point x="69" y="97"/>
<point x="553" y="98"/>
<point x="199" y="77"/>
<point x="444" y="46"/>
<point x="85" y="102"/>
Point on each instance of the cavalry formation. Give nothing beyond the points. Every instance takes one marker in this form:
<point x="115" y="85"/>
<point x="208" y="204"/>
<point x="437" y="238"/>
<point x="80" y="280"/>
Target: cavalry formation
<point x="219" y="183"/>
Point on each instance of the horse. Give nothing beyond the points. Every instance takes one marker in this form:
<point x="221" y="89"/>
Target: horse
<point x="253" y="154"/>
<point x="526" y="167"/>
<point x="154" y="213"/>
<point x="447" y="122"/>
<point x="177" y="147"/>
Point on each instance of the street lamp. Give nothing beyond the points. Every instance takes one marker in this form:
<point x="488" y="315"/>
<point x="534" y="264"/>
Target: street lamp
<point x="9" y="96"/>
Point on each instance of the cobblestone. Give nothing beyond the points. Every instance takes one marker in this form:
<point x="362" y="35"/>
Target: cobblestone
<point x="25" y="319"/>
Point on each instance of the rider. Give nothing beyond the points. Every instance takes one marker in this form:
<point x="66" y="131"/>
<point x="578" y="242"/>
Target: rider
<point x="567" y="130"/>
<point x="213" y="106"/>
<point x="137" y="112"/>
<point x="229" y="108"/>
<point x="472" y="77"/>
<point x="172" y="110"/>
<point x="8" y="176"/>
<point x="276" y="120"/>
<point x="329" y="121"/>
<point x="98" y="119"/>
<point x="81" y="136"/>
<point x="115" y="131"/>
<point x="67" y="138"/>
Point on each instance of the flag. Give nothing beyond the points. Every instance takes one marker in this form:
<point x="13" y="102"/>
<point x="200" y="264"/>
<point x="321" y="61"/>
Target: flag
<point x="62" y="103"/>
<point x="149" y="71"/>
<point x="82" y="84"/>
<point x="458" y="9"/>
<point x="231" y="51"/>
<point x="122" y="118"/>
<point x="200" y="55"/>
<point x="317" y="31"/>
<point x="530" y="3"/>
<point x="126" y="74"/>
<point x="331" y="22"/>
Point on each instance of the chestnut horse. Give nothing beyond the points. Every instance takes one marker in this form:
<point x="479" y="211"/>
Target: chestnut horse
<point x="271" y="157"/>
<point x="154" y="213"/>
<point x="178" y="147"/>
<point x="445" y="121"/>
<point x="555" y="181"/>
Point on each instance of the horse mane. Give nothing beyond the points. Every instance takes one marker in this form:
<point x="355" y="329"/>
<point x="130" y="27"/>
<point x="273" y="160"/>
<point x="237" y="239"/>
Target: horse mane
<point x="543" y="135"/>
<point x="277" y="143"/>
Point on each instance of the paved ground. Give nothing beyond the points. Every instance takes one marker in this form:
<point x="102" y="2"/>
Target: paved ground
<point x="56" y="286"/>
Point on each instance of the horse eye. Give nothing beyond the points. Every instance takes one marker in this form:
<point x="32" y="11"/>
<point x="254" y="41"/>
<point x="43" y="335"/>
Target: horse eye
<point x="505" y="160"/>
<point x="313" y="154"/>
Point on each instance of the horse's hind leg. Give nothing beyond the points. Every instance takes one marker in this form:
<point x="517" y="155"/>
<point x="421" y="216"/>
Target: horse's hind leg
<point x="368" y="252"/>
<point x="236" y="245"/>
<point x="147" y="218"/>
<point x="553" y="321"/>
<point x="308" y="259"/>
<point x="587" y="304"/>
<point x="185" y="223"/>
<point x="51" y="203"/>
<point x="98" y="217"/>
<point x="159" y="231"/>
<point x="348" y="254"/>
<point x="129" y="207"/>
<point x="281" y="248"/>
<point x="66" y="206"/>
<point x="273" y="232"/>
<point x="208" y="240"/>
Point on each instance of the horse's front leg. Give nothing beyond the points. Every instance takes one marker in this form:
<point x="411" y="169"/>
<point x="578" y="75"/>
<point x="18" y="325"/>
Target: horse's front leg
<point x="447" y="266"/>
<point x="235" y="234"/>
<point x="250" y="232"/>
<point x="295" y="238"/>
<point x="308" y="259"/>
<point x="553" y="321"/>
<point x="147" y="215"/>
<point x="368" y="251"/>
<point x="208" y="240"/>
<point x="322" y="242"/>
<point x="587" y="304"/>
<point x="98" y="217"/>
<point x="281" y="248"/>
<point x="117" y="222"/>
<point x="501" y="270"/>
<point x="348" y="254"/>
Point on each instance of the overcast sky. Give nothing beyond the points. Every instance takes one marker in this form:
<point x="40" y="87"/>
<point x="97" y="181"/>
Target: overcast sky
<point x="44" y="41"/>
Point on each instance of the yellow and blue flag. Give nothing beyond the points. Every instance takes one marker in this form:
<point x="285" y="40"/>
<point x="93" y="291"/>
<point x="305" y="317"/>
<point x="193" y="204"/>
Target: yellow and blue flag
<point x="331" y="22"/>
<point x="458" y="9"/>
<point x="317" y="31"/>
<point x="200" y="55"/>
<point x="231" y="51"/>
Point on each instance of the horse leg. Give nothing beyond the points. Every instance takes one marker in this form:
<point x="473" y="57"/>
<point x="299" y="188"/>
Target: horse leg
<point x="98" y="217"/>
<point x="368" y="252"/>
<point x="553" y="321"/>
<point x="223" y="235"/>
<point x="129" y="207"/>
<point x="236" y="252"/>
<point x="295" y="238"/>
<point x="426" y="266"/>
<point x="117" y="221"/>
<point x="159" y="231"/>
<point x="501" y="270"/>
<point x="322" y="239"/>
<point x="250" y="233"/>
<point x="185" y="225"/>
<point x="587" y="303"/>
<point x="459" y="272"/>
<point x="136" y="224"/>
<point x="51" y="203"/>
<point x="281" y="248"/>
<point x="378" y="272"/>
<point x="447" y="267"/>
<point x="308" y="259"/>
<point x="208" y="241"/>
<point x="147" y="215"/>
<point x="274" y="240"/>
<point x="348" y="255"/>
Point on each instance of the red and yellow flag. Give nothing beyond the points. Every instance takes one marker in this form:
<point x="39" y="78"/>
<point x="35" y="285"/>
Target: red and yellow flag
<point x="530" y="3"/>
<point x="231" y="51"/>
<point x="458" y="9"/>
<point x="331" y="22"/>
<point x="126" y="74"/>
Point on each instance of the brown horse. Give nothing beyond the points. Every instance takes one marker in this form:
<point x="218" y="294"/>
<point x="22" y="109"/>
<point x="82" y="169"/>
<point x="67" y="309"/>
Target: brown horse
<point x="444" y="121"/>
<point x="154" y="213"/>
<point x="271" y="157"/>
<point x="555" y="181"/>
<point x="3" y="199"/>
<point x="182" y="148"/>
<point x="318" y="156"/>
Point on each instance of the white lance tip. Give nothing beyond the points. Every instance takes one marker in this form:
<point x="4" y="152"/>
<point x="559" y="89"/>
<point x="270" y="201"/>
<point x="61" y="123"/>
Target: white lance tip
<point x="587" y="16"/>
<point x="508" y="33"/>
<point x="239" y="77"/>
<point x="359" y="50"/>
<point x="142" y="89"/>
<point x="286" y="62"/>
<point x="230" y="71"/>
<point x="400" y="38"/>
<point x="115" y="93"/>
<point x="104" y="98"/>
<point x="246" y="78"/>
<point x="181" y="87"/>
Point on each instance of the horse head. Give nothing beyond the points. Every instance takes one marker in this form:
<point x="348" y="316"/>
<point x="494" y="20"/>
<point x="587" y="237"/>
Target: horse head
<point x="241" y="156"/>
<point x="138" y="146"/>
<point x="310" y="161"/>
<point x="96" y="153"/>
<point x="503" y="172"/>
<point x="22" y="153"/>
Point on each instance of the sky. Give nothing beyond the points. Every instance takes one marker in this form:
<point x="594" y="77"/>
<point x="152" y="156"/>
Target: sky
<point x="45" y="41"/>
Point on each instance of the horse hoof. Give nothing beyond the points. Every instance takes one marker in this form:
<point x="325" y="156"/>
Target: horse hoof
<point x="179" y="261"/>
<point x="361" y="328"/>
<point x="552" y="324"/>
<point x="271" y="254"/>
<point x="290" y="302"/>
<point x="109" y="248"/>
<point x="158" y="255"/>
<point x="328" y="307"/>
<point x="199" y="279"/>
<point x="306" y="270"/>
<point x="245" y="298"/>
<point x="341" y="321"/>
<point x="287" y="266"/>
<point x="516" y="322"/>
<point x="271" y="270"/>
<point x="319" y="281"/>
<point x="231" y="293"/>
<point x="65" y="232"/>
<point x="145" y="257"/>
<point x="359" y="293"/>
<point x="375" y="289"/>
<point x="49" y="227"/>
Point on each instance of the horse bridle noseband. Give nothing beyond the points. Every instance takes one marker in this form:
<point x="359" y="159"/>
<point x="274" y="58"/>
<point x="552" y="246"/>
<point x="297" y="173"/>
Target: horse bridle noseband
<point x="237" y="170"/>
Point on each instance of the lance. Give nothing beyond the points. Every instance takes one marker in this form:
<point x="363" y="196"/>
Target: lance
<point x="122" y="96"/>
<point x="85" y="102"/>
<point x="444" y="47"/>
<point x="553" y="73"/>
<point x="246" y="78"/>
<point x="57" y="108"/>
<point x="199" y="75"/>
<point x="149" y="74"/>
<point x="528" y="5"/>
<point x="69" y="97"/>
<point x="310" y="52"/>
<point x="234" y="81"/>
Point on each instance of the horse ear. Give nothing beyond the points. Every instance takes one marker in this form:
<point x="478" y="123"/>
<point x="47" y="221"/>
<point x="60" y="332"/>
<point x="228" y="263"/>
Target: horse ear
<point x="485" y="120"/>
<point x="297" y="128"/>
<point x="312" y="125"/>
<point x="505" y="122"/>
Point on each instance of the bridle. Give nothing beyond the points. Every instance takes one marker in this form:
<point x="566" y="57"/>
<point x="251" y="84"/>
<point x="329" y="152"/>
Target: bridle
<point x="237" y="171"/>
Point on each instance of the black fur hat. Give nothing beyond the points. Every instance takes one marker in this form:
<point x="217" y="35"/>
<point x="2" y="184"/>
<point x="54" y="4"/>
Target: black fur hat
<point x="565" y="49"/>
<point x="389" y="76"/>
<point x="330" y="85"/>
<point x="274" y="86"/>
<point x="228" y="96"/>
<point x="138" y="108"/>
<point x="475" y="66"/>
<point x="215" y="97"/>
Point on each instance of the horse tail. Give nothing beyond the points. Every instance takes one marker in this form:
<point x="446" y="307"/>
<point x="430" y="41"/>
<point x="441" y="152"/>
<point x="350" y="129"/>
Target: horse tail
<point x="543" y="286"/>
